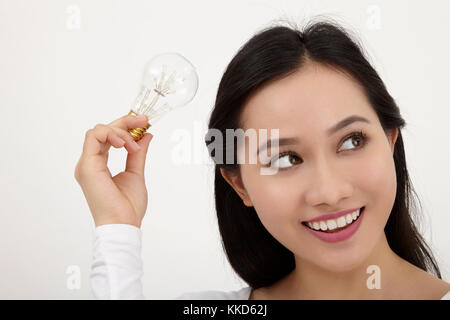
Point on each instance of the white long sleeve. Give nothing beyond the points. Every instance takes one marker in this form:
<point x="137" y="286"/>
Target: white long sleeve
<point x="117" y="266"/>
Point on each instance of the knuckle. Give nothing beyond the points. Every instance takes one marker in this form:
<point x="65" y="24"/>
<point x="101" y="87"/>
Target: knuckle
<point x="122" y="133"/>
<point x="80" y="173"/>
<point x="99" y="126"/>
<point x="77" y="173"/>
<point x="115" y="130"/>
<point x="89" y="133"/>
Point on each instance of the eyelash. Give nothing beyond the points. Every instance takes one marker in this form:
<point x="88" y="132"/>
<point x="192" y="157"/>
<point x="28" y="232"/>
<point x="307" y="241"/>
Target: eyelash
<point x="357" y="134"/>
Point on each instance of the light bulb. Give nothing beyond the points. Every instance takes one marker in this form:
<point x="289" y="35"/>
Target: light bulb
<point x="169" y="81"/>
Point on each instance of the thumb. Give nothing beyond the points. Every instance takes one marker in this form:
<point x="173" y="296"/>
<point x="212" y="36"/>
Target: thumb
<point x="136" y="160"/>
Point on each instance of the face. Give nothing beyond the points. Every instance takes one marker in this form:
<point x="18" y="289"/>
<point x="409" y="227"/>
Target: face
<point x="325" y="172"/>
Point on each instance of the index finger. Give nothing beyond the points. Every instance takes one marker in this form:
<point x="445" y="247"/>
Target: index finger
<point x="130" y="122"/>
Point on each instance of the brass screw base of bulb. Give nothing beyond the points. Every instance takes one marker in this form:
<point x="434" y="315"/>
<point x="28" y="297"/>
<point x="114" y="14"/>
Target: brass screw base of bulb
<point x="137" y="133"/>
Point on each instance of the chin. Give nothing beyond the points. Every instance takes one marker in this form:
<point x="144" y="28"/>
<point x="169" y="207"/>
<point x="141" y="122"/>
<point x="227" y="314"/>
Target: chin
<point x="341" y="263"/>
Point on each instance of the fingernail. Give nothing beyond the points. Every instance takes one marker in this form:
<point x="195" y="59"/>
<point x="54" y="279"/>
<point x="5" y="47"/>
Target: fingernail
<point x="142" y="117"/>
<point x="137" y="146"/>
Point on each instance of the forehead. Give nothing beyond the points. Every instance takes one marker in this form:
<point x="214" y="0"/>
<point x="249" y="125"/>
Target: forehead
<point x="316" y="96"/>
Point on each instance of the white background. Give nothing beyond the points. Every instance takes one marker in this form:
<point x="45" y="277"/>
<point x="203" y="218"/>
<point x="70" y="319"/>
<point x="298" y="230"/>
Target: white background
<point x="57" y="81"/>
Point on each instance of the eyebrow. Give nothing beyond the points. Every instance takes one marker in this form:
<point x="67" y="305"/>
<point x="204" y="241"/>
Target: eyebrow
<point x="338" y="126"/>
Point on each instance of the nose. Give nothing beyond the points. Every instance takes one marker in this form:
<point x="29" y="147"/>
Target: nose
<point x="328" y="185"/>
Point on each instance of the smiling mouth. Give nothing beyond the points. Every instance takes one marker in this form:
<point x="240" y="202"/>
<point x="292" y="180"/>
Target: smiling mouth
<point x="332" y="225"/>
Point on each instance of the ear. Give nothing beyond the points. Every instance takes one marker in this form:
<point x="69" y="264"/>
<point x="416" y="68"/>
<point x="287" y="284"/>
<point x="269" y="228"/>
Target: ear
<point x="235" y="181"/>
<point x="392" y="136"/>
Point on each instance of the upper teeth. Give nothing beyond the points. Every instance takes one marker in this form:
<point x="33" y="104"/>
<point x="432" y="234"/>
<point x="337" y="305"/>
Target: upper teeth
<point x="335" y="223"/>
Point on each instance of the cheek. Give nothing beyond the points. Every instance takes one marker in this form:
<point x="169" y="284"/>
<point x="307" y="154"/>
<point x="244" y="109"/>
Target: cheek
<point x="377" y="187"/>
<point x="379" y="181"/>
<point x="275" y="201"/>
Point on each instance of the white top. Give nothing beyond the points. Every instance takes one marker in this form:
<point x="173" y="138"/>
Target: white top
<point x="117" y="267"/>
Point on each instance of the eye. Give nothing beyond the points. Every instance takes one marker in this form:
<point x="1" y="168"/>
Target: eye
<point x="284" y="158"/>
<point x="360" y="139"/>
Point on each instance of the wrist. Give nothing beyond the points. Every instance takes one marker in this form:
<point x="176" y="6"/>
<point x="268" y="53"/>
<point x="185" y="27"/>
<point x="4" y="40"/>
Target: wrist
<point x="100" y="222"/>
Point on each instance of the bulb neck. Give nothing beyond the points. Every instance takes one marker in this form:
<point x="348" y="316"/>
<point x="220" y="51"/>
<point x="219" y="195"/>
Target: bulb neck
<point x="137" y="133"/>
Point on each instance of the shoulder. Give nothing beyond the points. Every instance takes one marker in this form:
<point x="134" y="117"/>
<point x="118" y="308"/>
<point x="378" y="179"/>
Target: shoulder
<point x="429" y="286"/>
<point x="241" y="294"/>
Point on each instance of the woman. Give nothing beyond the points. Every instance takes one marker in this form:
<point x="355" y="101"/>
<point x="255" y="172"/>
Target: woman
<point x="338" y="204"/>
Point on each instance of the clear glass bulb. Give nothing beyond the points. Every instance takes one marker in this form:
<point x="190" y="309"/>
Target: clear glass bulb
<point x="169" y="81"/>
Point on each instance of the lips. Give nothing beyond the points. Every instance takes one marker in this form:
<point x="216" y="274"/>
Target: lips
<point x="333" y="215"/>
<point x="339" y="227"/>
<point x="344" y="219"/>
<point x="338" y="234"/>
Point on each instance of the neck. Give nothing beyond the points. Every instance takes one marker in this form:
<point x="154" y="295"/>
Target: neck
<point x="308" y="281"/>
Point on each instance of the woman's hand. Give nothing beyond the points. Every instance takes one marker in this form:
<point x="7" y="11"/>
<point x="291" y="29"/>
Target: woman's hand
<point x="122" y="198"/>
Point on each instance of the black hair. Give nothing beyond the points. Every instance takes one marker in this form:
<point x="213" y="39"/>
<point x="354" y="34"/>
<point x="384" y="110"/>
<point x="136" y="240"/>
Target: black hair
<point x="271" y="54"/>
